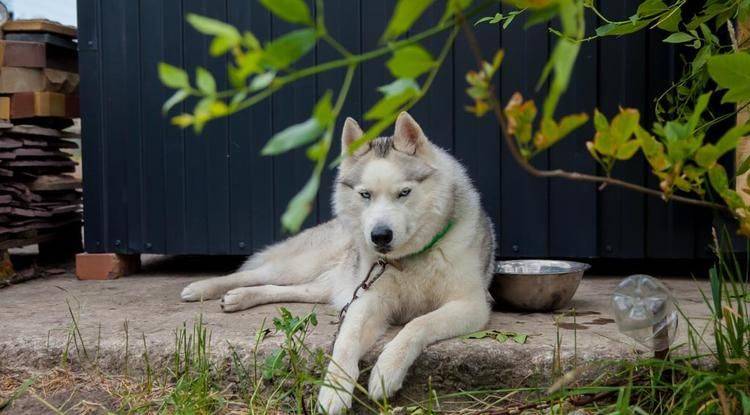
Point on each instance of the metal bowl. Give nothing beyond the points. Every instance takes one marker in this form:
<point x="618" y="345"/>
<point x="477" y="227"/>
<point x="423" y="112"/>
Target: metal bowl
<point x="536" y="284"/>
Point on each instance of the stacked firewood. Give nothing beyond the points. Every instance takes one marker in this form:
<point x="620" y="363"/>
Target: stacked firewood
<point x="39" y="195"/>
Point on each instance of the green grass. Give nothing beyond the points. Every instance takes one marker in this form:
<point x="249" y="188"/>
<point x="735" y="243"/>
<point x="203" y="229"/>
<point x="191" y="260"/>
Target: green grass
<point x="711" y="376"/>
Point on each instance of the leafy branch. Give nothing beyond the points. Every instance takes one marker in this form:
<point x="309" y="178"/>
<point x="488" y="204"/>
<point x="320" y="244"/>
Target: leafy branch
<point x="674" y="147"/>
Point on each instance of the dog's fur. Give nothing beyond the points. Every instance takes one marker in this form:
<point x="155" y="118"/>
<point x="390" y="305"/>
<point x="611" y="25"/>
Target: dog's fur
<point x="408" y="185"/>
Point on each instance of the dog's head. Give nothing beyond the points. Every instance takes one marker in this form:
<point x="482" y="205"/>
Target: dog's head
<point x="389" y="189"/>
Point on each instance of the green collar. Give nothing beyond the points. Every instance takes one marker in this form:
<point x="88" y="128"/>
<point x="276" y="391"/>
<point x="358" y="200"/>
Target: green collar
<point x="435" y="239"/>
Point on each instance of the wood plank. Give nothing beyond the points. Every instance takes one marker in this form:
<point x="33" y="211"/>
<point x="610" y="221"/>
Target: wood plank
<point x="33" y="130"/>
<point x="37" y="55"/>
<point x="11" y="143"/>
<point x="15" y="80"/>
<point x="47" y="38"/>
<point x="39" y="25"/>
<point x="49" y="183"/>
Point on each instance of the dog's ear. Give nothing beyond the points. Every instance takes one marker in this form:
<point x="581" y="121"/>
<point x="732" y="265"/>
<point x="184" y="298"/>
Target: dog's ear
<point x="349" y="134"/>
<point x="408" y="136"/>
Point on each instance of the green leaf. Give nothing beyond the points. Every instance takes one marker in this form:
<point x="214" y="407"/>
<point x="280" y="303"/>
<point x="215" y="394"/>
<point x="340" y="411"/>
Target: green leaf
<point x="707" y="156"/>
<point x="651" y="7"/>
<point x="501" y="337"/>
<point x="627" y="150"/>
<point x="624" y="124"/>
<point x="672" y="21"/>
<point x="273" y="364"/>
<point x="731" y="138"/>
<point x="732" y="72"/>
<point x="700" y="106"/>
<point x="293" y="11"/>
<point x="399" y="86"/>
<point x="173" y="76"/>
<point x="287" y="49"/>
<point x="262" y="81"/>
<point x="323" y="111"/>
<point x="718" y="177"/>
<point x="410" y="62"/>
<point x="569" y="123"/>
<point x="183" y="120"/>
<point x="478" y="335"/>
<point x="619" y="29"/>
<point x="214" y="27"/>
<point x="605" y="144"/>
<point x="220" y="45"/>
<point x="519" y="338"/>
<point x="178" y="97"/>
<point x="405" y="14"/>
<point x="301" y="205"/>
<point x="388" y="105"/>
<point x="205" y="81"/>
<point x="250" y="41"/>
<point x="293" y="137"/>
<point x="600" y="121"/>
<point x="678" y="37"/>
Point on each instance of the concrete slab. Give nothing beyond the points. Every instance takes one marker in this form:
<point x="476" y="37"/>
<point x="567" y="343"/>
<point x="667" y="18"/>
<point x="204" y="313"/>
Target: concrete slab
<point x="35" y="325"/>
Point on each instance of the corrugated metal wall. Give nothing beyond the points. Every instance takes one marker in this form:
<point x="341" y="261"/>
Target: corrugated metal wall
<point x="152" y="188"/>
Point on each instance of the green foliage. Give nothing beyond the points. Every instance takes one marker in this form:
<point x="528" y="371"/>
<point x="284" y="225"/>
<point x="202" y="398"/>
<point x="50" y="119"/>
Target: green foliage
<point x="676" y="145"/>
<point x="616" y="140"/>
<point x="293" y="11"/>
<point x="521" y="115"/>
<point x="732" y="72"/>
<point x="480" y="82"/>
<point x="304" y="133"/>
<point x="405" y="14"/>
<point x="287" y="49"/>
<point x="410" y="62"/>
<point x="505" y="19"/>
<point x="498" y="335"/>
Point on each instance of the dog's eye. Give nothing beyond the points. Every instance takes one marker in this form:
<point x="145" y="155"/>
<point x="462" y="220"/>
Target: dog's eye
<point x="364" y="194"/>
<point x="404" y="192"/>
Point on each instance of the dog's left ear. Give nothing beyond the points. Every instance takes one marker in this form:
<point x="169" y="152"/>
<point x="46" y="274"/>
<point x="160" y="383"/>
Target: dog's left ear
<point x="408" y="136"/>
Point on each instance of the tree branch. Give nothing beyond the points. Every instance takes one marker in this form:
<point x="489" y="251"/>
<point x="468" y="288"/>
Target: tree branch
<point x="559" y="173"/>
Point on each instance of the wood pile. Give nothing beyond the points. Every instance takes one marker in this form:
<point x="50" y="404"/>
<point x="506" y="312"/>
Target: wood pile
<point x="39" y="197"/>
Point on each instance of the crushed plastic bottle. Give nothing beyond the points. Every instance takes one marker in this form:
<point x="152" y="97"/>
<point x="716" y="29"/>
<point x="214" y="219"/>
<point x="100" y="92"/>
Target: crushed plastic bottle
<point x="645" y="310"/>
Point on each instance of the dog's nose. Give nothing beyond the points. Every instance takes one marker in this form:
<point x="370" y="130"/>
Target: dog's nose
<point x="381" y="235"/>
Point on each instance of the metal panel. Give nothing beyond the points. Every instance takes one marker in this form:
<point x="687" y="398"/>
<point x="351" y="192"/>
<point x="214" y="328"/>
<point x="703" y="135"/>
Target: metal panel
<point x="150" y="187"/>
<point x="524" y="225"/>
<point x="621" y="213"/>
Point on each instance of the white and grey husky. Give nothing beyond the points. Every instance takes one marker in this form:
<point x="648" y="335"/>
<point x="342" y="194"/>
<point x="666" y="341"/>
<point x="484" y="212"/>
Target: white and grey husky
<point x="402" y="201"/>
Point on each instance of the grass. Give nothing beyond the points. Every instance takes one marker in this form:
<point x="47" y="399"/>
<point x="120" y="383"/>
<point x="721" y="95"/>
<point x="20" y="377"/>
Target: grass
<point x="712" y="376"/>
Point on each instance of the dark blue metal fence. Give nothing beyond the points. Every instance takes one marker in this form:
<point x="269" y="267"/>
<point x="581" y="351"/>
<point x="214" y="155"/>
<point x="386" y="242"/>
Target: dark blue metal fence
<point x="152" y="188"/>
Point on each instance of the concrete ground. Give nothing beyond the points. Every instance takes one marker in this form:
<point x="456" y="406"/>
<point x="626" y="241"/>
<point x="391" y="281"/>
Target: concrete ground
<point x="35" y="324"/>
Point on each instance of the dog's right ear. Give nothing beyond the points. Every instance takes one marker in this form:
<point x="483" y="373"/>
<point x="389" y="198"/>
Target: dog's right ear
<point x="350" y="134"/>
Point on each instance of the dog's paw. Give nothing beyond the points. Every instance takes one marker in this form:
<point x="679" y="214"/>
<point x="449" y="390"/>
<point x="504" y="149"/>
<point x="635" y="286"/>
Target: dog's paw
<point x="386" y="378"/>
<point x="332" y="401"/>
<point x="199" y="290"/>
<point x="236" y="300"/>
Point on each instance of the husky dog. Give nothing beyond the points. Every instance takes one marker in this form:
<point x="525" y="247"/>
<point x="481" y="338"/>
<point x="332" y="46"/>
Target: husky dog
<point x="402" y="201"/>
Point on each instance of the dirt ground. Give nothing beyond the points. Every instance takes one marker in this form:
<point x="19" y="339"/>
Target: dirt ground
<point x="113" y="317"/>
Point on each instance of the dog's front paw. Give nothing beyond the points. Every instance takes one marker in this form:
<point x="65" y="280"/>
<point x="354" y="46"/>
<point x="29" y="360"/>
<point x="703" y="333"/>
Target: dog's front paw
<point x="386" y="378"/>
<point x="200" y="290"/>
<point x="333" y="401"/>
<point x="237" y="299"/>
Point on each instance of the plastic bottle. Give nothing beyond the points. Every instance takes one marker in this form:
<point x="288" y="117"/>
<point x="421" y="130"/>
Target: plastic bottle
<point x="644" y="310"/>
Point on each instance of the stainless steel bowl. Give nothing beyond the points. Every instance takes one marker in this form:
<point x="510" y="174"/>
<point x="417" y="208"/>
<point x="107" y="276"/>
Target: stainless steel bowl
<point x="536" y="284"/>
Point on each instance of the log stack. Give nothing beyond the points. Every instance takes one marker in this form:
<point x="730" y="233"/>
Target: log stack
<point x="40" y="199"/>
